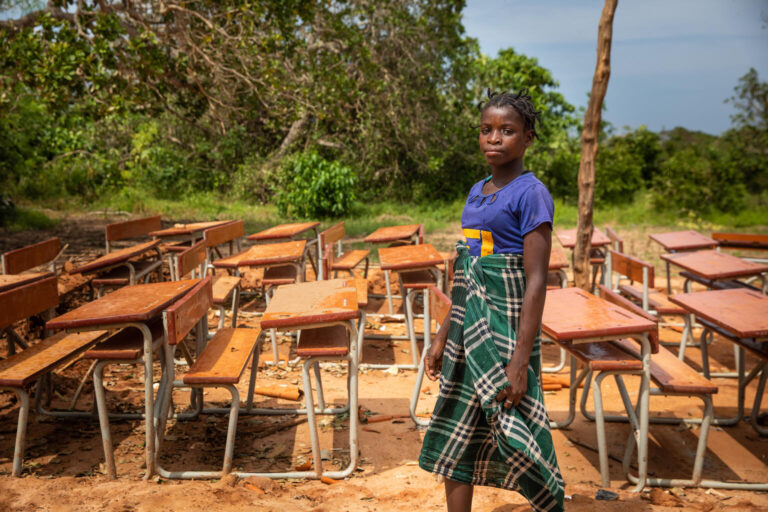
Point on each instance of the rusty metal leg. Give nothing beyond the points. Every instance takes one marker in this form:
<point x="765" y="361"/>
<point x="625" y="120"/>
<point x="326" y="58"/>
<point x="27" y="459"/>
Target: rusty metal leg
<point x="101" y="404"/>
<point x="21" y="430"/>
<point x="310" y="408"/>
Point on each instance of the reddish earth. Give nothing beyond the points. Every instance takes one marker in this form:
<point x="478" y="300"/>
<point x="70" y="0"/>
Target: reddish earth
<point x="64" y="471"/>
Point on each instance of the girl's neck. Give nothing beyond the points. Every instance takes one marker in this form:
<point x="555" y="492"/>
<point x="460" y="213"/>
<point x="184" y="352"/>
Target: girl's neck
<point x="500" y="176"/>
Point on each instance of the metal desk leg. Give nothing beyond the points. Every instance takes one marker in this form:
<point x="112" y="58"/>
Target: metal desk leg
<point x="389" y="291"/>
<point x="149" y="404"/>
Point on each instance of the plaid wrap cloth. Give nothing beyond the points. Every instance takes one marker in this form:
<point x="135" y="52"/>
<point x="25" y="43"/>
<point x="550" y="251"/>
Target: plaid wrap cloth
<point x="471" y="438"/>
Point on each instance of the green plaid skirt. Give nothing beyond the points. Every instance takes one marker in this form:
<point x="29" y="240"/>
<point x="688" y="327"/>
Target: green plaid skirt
<point x="471" y="438"/>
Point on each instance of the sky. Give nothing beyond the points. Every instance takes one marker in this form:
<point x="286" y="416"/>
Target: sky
<point x="673" y="63"/>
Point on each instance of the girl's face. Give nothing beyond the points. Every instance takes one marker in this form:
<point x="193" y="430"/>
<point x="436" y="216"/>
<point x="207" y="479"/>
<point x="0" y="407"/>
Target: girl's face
<point x="503" y="138"/>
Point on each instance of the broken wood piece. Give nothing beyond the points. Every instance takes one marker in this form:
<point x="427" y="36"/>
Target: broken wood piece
<point x="377" y="418"/>
<point x="280" y="391"/>
<point x="305" y="466"/>
<point x="254" y="488"/>
<point x="330" y="481"/>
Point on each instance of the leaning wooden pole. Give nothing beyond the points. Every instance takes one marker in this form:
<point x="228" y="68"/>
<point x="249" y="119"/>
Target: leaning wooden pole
<point x="589" y="134"/>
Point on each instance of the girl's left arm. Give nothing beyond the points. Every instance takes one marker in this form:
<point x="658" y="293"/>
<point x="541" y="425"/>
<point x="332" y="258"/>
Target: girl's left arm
<point x="536" y="249"/>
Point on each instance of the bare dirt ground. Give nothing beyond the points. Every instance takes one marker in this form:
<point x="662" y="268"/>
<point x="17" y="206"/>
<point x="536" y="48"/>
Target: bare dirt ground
<point x="64" y="459"/>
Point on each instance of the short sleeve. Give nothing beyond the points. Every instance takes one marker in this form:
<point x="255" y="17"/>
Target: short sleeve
<point x="535" y="208"/>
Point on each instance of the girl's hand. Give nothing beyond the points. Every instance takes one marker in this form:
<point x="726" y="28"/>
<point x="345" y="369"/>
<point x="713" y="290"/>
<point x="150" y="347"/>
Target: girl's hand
<point x="517" y="374"/>
<point x="433" y="361"/>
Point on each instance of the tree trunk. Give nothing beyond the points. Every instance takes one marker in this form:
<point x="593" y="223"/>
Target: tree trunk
<point x="581" y="267"/>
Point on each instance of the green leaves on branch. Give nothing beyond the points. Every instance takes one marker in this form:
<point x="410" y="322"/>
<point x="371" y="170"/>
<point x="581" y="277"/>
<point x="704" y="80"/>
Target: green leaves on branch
<point x="312" y="187"/>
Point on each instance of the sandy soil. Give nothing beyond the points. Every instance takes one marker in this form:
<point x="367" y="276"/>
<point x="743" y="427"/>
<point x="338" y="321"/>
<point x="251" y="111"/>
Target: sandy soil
<point x="64" y="469"/>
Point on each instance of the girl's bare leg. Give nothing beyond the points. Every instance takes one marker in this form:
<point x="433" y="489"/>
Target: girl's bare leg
<point x="458" y="496"/>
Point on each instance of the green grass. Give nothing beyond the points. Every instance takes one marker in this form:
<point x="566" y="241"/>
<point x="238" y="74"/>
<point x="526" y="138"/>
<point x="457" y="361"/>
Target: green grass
<point x="364" y="218"/>
<point x="25" y="219"/>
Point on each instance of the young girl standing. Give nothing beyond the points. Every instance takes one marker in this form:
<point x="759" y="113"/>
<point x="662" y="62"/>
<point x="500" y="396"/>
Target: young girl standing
<point x="489" y="426"/>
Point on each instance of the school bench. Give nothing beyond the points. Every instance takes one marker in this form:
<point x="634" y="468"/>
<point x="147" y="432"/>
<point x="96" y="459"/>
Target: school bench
<point x="338" y="261"/>
<point x="42" y="253"/>
<point x="123" y="273"/>
<point x="220" y="364"/>
<point x="19" y="371"/>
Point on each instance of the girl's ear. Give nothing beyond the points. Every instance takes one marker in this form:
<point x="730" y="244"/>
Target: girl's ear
<point x="528" y="137"/>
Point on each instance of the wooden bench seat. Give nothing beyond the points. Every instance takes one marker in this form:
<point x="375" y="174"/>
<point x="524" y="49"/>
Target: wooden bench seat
<point x="323" y="341"/>
<point x="281" y="274"/>
<point x="657" y="300"/>
<point x="602" y="357"/>
<point x="23" y="368"/>
<point x="670" y="373"/>
<point x="349" y="259"/>
<point x="417" y="279"/>
<point x="224" y="358"/>
<point x="125" y="345"/>
<point x="223" y="287"/>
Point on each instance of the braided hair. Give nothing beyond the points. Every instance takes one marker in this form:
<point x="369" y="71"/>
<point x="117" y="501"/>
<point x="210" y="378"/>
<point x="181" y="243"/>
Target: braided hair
<point x="521" y="102"/>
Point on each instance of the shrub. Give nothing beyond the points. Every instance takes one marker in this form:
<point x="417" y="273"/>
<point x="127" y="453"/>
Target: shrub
<point x="618" y="173"/>
<point x="698" y="181"/>
<point x="312" y="187"/>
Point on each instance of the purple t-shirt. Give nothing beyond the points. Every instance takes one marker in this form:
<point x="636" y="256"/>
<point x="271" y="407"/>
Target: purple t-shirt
<point x="496" y="223"/>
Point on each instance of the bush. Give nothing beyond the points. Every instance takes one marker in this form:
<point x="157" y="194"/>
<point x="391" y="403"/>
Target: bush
<point x="698" y="181"/>
<point x="312" y="187"/>
<point x="618" y="173"/>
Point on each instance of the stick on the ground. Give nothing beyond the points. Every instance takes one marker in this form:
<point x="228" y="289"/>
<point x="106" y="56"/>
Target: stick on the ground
<point x="277" y="428"/>
<point x="592" y="448"/>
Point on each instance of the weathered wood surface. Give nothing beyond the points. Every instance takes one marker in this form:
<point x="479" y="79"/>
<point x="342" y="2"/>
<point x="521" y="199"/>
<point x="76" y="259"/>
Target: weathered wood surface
<point x="741" y="312"/>
<point x="115" y="257"/>
<point x="392" y="234"/>
<point x="283" y="231"/>
<point x="571" y="314"/>
<point x="31" y="256"/>
<point x="406" y="257"/>
<point x="310" y="303"/>
<point x="715" y="264"/>
<point x="265" y="255"/>
<point x="137" y="303"/>
<point x="683" y="240"/>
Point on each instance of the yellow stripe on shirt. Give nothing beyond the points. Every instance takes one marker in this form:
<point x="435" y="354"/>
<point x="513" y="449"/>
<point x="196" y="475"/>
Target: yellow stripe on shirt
<point x="486" y="247"/>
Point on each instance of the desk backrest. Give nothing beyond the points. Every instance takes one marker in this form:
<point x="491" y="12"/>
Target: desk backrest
<point x="187" y="312"/>
<point x="24" y="258"/>
<point x="439" y="305"/>
<point x="30" y="299"/>
<point x="228" y="232"/>
<point x="616" y="241"/>
<point x="131" y="228"/>
<point x="633" y="268"/>
<point x="190" y="260"/>
<point x="421" y="234"/>
<point x="616" y="299"/>
<point x="333" y="234"/>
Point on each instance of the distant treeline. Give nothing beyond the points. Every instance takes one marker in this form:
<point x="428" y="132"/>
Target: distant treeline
<point x="312" y="105"/>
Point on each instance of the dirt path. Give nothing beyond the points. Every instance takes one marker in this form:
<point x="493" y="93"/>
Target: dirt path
<point x="64" y="471"/>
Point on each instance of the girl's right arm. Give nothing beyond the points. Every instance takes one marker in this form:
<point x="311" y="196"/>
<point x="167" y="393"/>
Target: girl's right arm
<point x="433" y="361"/>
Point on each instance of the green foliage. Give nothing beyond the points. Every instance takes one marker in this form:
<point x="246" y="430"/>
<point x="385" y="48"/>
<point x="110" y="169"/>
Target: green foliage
<point x="747" y="142"/>
<point x="698" y="180"/>
<point x="26" y="218"/>
<point x="313" y="187"/>
<point x="618" y="173"/>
